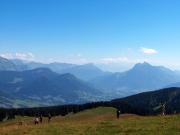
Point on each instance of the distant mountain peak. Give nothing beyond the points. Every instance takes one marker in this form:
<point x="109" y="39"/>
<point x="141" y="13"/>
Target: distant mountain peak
<point x="142" y="65"/>
<point x="90" y="64"/>
<point x="147" y="66"/>
<point x="145" y="63"/>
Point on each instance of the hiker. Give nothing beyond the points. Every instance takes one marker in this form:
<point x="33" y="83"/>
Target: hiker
<point x="40" y="118"/>
<point x="36" y="120"/>
<point x="118" y="113"/>
<point x="163" y="109"/>
<point x="49" y="117"/>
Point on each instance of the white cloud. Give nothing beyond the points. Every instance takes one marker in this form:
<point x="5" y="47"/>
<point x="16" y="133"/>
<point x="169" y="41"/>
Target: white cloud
<point x="6" y="55"/>
<point x="72" y="58"/>
<point x="148" y="50"/>
<point x="121" y="61"/>
<point x="22" y="56"/>
<point x="77" y="60"/>
<point x="116" y="60"/>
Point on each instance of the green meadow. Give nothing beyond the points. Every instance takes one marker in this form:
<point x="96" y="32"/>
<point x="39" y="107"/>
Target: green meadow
<point x="99" y="121"/>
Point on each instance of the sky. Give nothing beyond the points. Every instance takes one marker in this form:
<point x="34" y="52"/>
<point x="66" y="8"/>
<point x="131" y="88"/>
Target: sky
<point x="113" y="34"/>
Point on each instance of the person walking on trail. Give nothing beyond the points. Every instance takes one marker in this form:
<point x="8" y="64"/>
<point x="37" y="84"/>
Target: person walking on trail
<point x="118" y="113"/>
<point x="49" y="117"/>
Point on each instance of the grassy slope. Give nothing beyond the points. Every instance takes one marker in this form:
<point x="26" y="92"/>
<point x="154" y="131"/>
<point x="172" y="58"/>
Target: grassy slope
<point x="99" y="121"/>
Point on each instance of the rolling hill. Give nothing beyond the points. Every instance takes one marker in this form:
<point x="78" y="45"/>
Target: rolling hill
<point x="150" y="102"/>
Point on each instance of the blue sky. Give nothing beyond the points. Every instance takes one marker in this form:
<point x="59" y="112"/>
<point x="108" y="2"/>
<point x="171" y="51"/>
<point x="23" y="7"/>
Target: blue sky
<point x="114" y="34"/>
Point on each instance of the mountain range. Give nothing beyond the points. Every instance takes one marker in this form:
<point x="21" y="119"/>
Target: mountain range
<point x="85" y="72"/>
<point x="142" y="77"/>
<point x="25" y="83"/>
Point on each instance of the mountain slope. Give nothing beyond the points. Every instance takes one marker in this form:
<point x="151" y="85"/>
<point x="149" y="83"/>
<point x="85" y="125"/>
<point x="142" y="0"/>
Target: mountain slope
<point x="6" y="64"/>
<point x="140" y="78"/>
<point x="85" y="72"/>
<point x="47" y="87"/>
<point x="149" y="102"/>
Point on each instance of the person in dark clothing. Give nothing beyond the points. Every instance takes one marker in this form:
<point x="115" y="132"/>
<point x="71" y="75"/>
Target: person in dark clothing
<point x="118" y="113"/>
<point x="49" y="117"/>
<point x="36" y="120"/>
<point x="40" y="119"/>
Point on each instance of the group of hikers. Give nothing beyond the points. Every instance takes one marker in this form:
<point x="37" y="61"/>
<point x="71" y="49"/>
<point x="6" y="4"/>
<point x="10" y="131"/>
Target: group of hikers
<point x="39" y="119"/>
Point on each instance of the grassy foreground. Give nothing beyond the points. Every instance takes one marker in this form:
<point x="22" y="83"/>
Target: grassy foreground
<point x="99" y="121"/>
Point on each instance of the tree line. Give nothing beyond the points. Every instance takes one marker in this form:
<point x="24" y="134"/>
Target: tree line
<point x="63" y="110"/>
